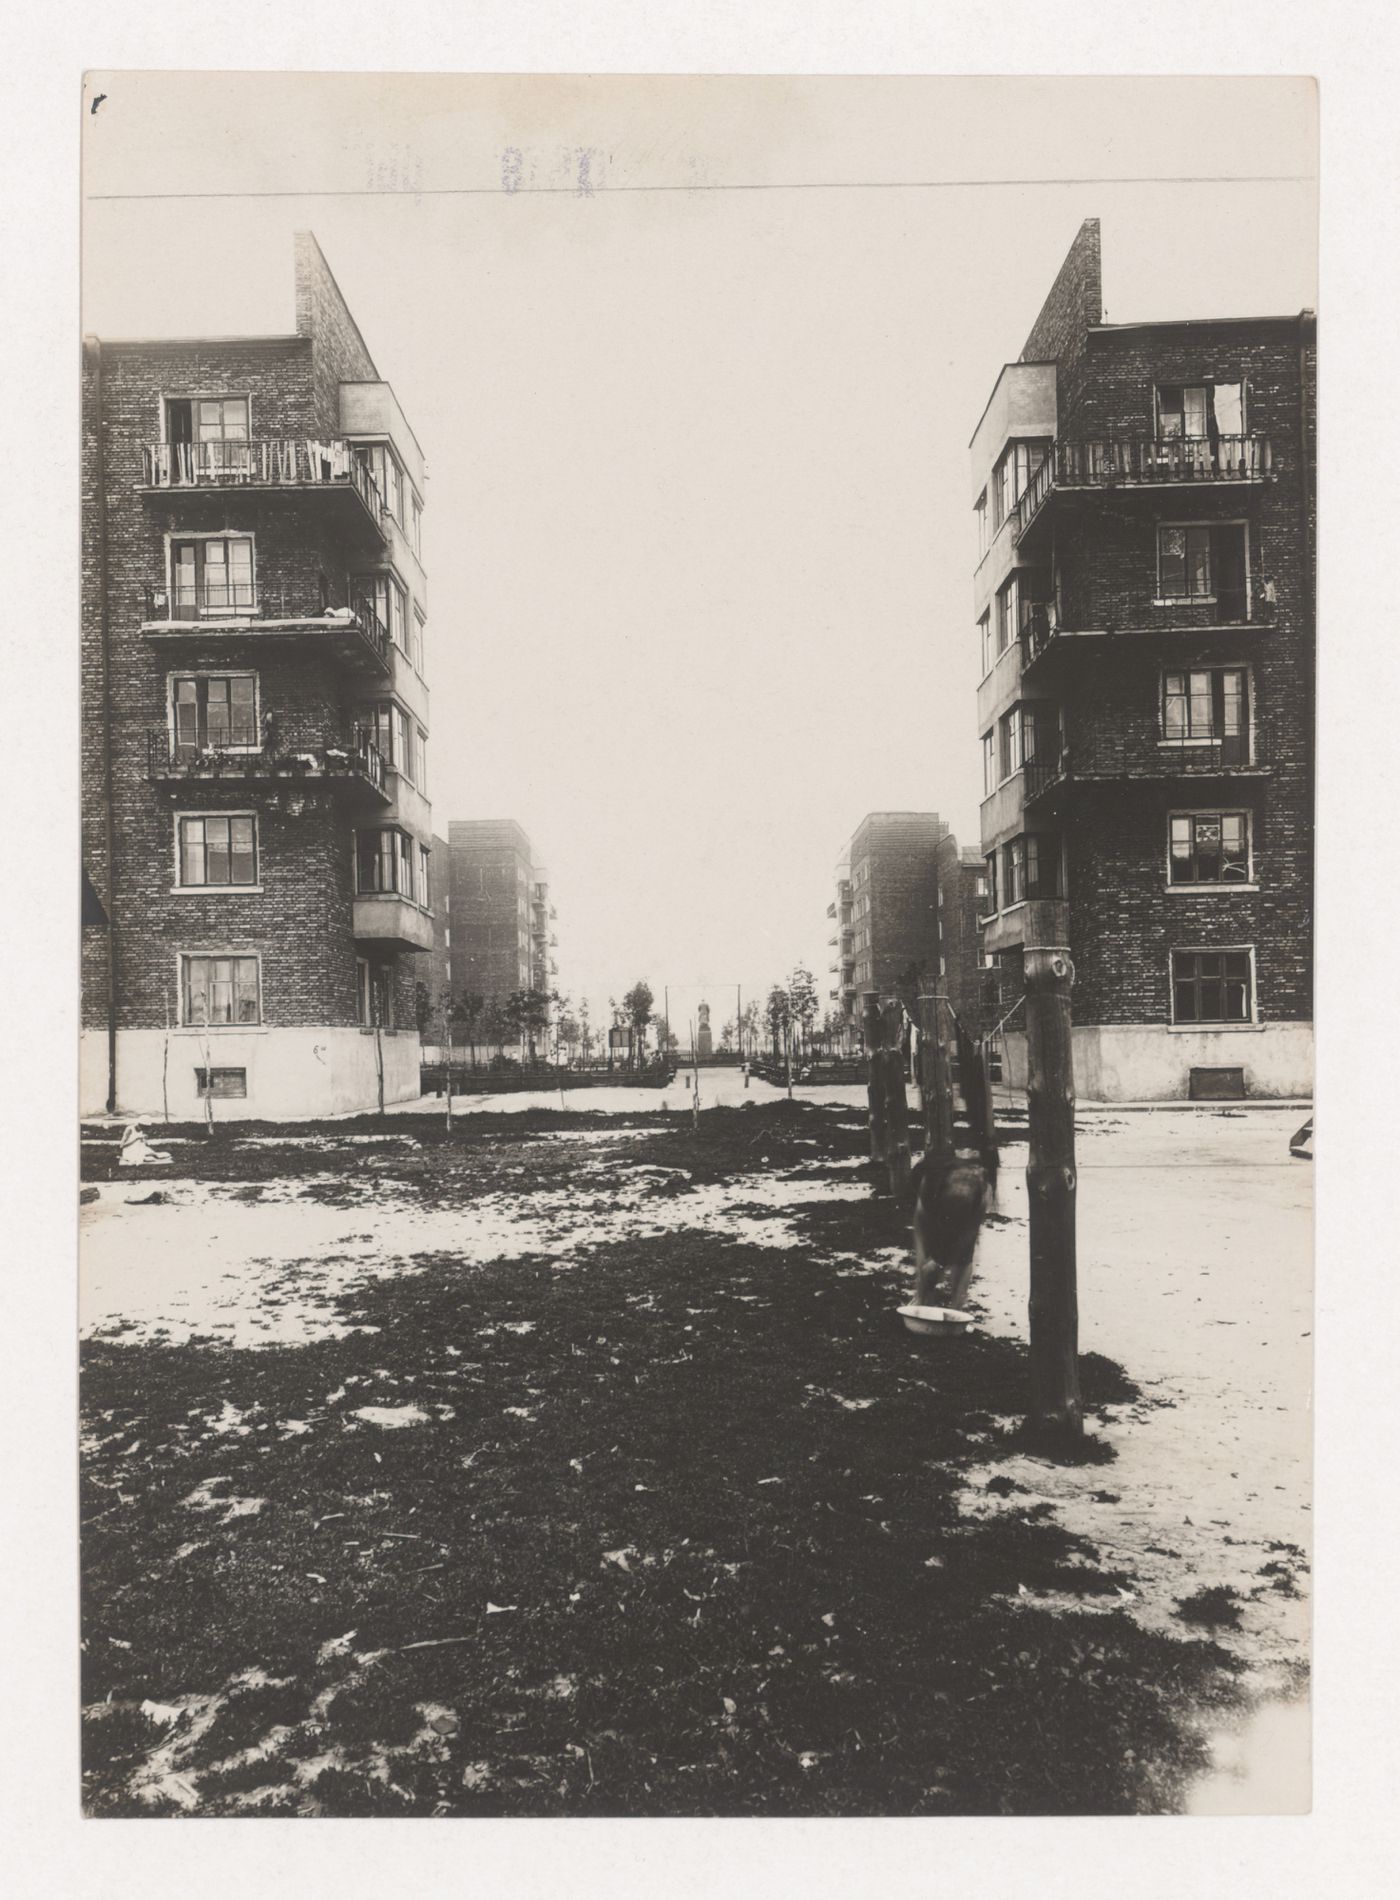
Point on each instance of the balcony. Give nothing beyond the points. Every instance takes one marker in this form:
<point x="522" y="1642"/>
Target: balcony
<point x="1048" y="784"/>
<point x="1119" y="462"/>
<point x="1046" y="634"/>
<point x="352" y="633"/>
<point x="355" y="767"/>
<point x="391" y="921"/>
<point x="287" y="466"/>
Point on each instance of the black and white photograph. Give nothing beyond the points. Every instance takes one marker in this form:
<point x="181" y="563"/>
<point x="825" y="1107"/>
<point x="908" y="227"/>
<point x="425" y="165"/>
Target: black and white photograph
<point x="696" y="1048"/>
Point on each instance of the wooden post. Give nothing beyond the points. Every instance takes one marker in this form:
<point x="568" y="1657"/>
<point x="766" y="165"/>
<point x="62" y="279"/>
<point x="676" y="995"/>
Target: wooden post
<point x="933" y="1081"/>
<point x="874" y="1033"/>
<point x="977" y="1095"/>
<point x="897" y="1104"/>
<point x="447" y="1045"/>
<point x="1050" y="1188"/>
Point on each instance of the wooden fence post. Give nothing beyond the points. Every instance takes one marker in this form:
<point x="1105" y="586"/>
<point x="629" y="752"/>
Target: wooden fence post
<point x="896" y="1103"/>
<point x="873" y="1029"/>
<point x="1050" y="1188"/>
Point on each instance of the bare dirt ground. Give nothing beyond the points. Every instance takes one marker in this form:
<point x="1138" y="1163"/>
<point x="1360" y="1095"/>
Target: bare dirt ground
<point x="571" y="1463"/>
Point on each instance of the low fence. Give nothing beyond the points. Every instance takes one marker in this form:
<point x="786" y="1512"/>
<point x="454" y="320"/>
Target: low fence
<point x="515" y="1081"/>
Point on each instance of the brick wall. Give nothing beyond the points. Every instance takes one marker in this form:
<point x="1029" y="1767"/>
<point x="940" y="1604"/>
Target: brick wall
<point x="339" y="354"/>
<point x="301" y="923"/>
<point x="1073" y="306"/>
<point x="894" y="861"/>
<point x="485" y="862"/>
<point x="1124" y="920"/>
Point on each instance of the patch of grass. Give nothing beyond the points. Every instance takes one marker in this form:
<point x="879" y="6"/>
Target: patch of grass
<point x="1216" y="1607"/>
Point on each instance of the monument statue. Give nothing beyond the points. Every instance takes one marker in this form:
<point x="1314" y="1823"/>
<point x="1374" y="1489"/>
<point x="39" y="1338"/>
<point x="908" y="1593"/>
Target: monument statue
<point x="704" y="1041"/>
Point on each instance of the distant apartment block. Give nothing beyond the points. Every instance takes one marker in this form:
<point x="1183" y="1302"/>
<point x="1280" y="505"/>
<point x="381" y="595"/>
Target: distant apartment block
<point x="904" y="916"/>
<point x="1144" y="600"/>
<point x="500" y="919"/>
<point x="255" y="822"/>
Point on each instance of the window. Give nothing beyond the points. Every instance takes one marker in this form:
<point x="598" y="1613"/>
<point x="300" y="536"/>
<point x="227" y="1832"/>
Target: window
<point x="218" y="850"/>
<point x="212" y="575"/>
<point x="374" y="993"/>
<point x="1006" y="616"/>
<point x="423" y="889"/>
<point x="984" y="530"/>
<point x="984" y="635"/>
<point x="213" y="710"/>
<point x="419" y="640"/>
<point x="420" y="760"/>
<point x="1210" y="704"/>
<point x="1200" y="410"/>
<point x="386" y="864"/>
<point x="218" y="991"/>
<point x="388" y="476"/>
<point x="990" y="778"/>
<point x="221" y="1083"/>
<point x="1209" y="847"/>
<point x="208" y="437"/>
<point x="1032" y="869"/>
<point x="1013" y="476"/>
<point x="1205" y="563"/>
<point x="1212" y="986"/>
<point x="388" y="600"/>
<point x="415" y="531"/>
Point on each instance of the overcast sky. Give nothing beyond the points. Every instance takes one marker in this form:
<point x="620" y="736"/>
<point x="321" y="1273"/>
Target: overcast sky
<point x="694" y="364"/>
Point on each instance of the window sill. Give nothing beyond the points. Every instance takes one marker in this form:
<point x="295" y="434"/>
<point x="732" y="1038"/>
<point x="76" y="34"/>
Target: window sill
<point x="216" y="890"/>
<point x="1186" y="600"/>
<point x="1215" y="1029"/>
<point x="1207" y="890"/>
<point x="219" y="1029"/>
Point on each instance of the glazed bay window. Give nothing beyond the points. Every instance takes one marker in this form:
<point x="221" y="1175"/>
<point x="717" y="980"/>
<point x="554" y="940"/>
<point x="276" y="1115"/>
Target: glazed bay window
<point x="1006" y="617"/>
<point x="218" y="991"/>
<point x="988" y="901"/>
<point x="1212" y="986"/>
<point x="212" y="574"/>
<point x="213" y="711"/>
<point x="389" y="605"/>
<point x="1029" y="735"/>
<point x="1013" y="476"/>
<point x="1209" y="847"/>
<point x="1204" y="563"/>
<point x="218" y="851"/>
<point x="1208" y="704"/>
<point x="379" y="459"/>
<point x="385" y="864"/>
<point x="1031" y="869"/>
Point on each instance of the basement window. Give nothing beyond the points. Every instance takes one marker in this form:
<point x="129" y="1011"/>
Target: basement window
<point x="221" y="1084"/>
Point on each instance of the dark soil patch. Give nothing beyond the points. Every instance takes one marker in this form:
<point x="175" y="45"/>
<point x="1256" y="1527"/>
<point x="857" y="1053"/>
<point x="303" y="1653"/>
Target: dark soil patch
<point x="1214" y="1608"/>
<point x="688" y="1542"/>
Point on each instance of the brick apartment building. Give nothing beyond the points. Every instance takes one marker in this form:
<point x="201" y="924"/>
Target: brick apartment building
<point x="1144" y="494"/>
<point x="500" y="919"/>
<point x="255" y="824"/>
<point x="904" y="915"/>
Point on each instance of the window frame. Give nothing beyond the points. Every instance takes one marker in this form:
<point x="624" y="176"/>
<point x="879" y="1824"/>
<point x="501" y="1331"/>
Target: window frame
<point x="202" y="675"/>
<point x="1245" y="883"/>
<point x="1189" y="738"/>
<point x="185" y="957"/>
<point x="180" y="889"/>
<point x="1212" y="598"/>
<point x="1211" y="1023"/>
<point x="198" y="536"/>
<point x="167" y="396"/>
<point x="1206" y="383"/>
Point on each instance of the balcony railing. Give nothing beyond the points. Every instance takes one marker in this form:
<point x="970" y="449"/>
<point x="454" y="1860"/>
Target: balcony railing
<point x="1145" y="461"/>
<point x="1043" y="627"/>
<point x="260" y="609"/>
<point x="357" y="761"/>
<point x="291" y="462"/>
<point x="1180" y="758"/>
